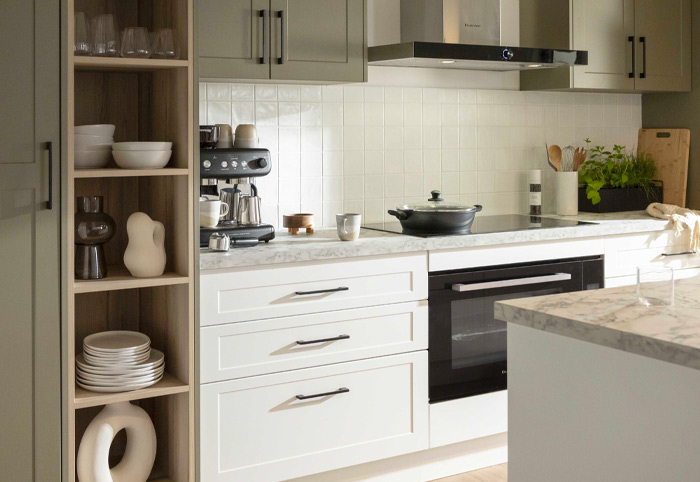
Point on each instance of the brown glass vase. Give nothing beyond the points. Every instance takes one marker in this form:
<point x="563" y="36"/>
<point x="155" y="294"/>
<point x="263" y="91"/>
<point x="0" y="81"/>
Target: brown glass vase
<point x="93" y="228"/>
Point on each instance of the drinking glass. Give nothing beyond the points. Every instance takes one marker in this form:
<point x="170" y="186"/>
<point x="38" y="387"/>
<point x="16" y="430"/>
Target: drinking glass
<point x="136" y="43"/>
<point x="655" y="285"/>
<point x="81" y="41"/>
<point x="165" y="45"/>
<point x="104" y="36"/>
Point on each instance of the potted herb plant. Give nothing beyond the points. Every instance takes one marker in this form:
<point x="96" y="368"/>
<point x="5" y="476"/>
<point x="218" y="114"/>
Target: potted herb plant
<point x="617" y="180"/>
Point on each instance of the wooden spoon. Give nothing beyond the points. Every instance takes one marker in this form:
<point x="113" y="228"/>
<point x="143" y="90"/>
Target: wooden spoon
<point x="554" y="152"/>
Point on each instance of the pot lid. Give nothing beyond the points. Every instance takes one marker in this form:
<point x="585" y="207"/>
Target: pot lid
<point x="438" y="204"/>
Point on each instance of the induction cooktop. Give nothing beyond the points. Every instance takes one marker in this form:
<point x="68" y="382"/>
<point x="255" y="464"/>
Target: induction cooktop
<point x="490" y="224"/>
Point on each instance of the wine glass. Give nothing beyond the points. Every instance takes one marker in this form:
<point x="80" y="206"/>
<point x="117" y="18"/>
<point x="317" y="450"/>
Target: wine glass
<point x="165" y="45"/>
<point x="136" y="43"/>
<point x="104" y="36"/>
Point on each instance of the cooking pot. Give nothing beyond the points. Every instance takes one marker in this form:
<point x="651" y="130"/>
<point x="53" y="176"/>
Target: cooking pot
<point x="436" y="216"/>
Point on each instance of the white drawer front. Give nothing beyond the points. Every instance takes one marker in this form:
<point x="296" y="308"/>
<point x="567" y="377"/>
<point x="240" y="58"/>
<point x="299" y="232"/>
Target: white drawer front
<point x="255" y="429"/>
<point x="239" y="350"/>
<point x="624" y="253"/>
<point x="282" y="290"/>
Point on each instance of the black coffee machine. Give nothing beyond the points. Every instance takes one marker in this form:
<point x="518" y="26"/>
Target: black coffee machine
<point x="237" y="167"/>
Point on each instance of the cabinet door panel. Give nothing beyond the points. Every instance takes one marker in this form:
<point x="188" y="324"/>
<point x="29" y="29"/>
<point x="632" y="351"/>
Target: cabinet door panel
<point x="665" y="27"/>
<point x="231" y="39"/>
<point x="603" y="27"/>
<point x="323" y="40"/>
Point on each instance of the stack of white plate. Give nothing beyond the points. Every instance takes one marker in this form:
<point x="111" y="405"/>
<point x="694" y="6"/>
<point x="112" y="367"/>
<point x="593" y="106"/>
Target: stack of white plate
<point x="142" y="155"/>
<point x="93" y="145"/>
<point x="118" y="361"/>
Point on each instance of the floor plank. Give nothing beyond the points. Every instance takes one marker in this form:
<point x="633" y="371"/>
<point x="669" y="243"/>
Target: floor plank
<point x="497" y="473"/>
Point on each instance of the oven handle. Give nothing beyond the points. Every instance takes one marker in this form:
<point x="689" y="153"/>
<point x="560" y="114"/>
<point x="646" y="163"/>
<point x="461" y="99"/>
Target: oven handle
<point x="487" y="285"/>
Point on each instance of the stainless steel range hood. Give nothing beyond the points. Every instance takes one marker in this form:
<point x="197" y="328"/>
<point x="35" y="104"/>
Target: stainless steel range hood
<point x="464" y="35"/>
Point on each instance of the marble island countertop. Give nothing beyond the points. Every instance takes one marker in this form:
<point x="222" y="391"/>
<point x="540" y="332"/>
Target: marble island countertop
<point x="616" y="319"/>
<point x="324" y="243"/>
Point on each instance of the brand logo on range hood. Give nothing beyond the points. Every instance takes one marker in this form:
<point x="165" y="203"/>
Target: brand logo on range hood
<point x="472" y="25"/>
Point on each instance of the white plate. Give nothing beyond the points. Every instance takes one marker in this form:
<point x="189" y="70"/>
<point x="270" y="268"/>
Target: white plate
<point x="87" y="140"/>
<point x="125" y="351"/>
<point x="156" y="358"/>
<point x="130" y="359"/>
<point x="103" y="356"/>
<point x="127" y="388"/>
<point x="118" y="370"/>
<point x="95" y="130"/>
<point x="142" y="146"/>
<point x="115" y="341"/>
<point x="114" y="381"/>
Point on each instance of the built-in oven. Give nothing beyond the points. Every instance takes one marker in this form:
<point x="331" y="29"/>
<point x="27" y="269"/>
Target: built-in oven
<point x="467" y="346"/>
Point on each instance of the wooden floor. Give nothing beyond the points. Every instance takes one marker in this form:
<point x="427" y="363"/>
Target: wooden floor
<point x="497" y="473"/>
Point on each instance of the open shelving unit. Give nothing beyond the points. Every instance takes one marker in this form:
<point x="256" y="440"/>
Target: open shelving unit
<point x="147" y="100"/>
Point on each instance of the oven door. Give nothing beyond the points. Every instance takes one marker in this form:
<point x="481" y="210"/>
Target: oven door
<point x="467" y="346"/>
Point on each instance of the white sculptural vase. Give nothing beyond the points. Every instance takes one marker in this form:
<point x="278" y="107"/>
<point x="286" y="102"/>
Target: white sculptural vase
<point x="139" y="455"/>
<point x="145" y="254"/>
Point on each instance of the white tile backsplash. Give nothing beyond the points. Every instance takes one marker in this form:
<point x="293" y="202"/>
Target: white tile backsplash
<point x="366" y="149"/>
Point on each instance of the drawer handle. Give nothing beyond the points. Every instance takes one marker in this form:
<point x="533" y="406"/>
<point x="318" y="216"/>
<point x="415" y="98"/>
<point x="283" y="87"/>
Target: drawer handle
<point x="320" y="292"/>
<point x="678" y="254"/>
<point x="323" y="340"/>
<point x="487" y="285"/>
<point x="326" y="394"/>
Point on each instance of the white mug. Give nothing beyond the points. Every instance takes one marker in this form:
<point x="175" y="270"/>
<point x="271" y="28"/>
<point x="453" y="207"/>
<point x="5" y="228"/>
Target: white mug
<point x="210" y="211"/>
<point x="348" y="226"/>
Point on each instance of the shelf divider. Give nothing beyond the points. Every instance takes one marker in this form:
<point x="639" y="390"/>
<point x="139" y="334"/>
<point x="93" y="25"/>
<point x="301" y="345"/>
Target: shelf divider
<point x="119" y="278"/>
<point x="116" y="172"/>
<point x="169" y="385"/>
<point x="127" y="65"/>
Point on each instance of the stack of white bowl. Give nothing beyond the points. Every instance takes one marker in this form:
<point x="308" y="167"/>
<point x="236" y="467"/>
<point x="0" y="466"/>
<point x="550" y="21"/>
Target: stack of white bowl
<point x="118" y="361"/>
<point x="142" y="155"/>
<point x="93" y="145"/>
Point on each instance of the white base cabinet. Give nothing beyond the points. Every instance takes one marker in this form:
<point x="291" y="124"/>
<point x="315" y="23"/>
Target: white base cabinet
<point x="258" y="429"/>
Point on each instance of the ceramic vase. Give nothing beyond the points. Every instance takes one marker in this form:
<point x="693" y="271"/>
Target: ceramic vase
<point x="93" y="228"/>
<point x="145" y="254"/>
<point x="139" y="455"/>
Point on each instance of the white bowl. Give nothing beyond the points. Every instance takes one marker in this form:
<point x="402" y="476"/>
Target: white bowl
<point x="142" y="146"/>
<point x="142" y="159"/>
<point x="95" y="130"/>
<point x="92" y="159"/>
<point x="95" y="147"/>
<point x="87" y="140"/>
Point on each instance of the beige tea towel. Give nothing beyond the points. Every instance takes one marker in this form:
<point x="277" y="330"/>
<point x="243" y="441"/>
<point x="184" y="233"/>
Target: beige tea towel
<point x="682" y="219"/>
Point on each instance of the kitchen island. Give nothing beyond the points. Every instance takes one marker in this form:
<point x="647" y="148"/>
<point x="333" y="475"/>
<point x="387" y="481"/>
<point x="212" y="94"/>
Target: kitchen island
<point x="603" y="388"/>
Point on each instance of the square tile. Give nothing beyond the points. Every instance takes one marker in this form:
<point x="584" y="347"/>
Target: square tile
<point x="534" y="115"/>
<point x="467" y="96"/>
<point x="353" y="163"/>
<point x="330" y="209"/>
<point x="450" y="137"/>
<point x="374" y="187"/>
<point x="393" y="186"/>
<point x="332" y="188"/>
<point x="485" y="115"/>
<point x="431" y="95"/>
<point x="288" y="93"/>
<point x="485" y="181"/>
<point x="467" y="182"/>
<point x="374" y="162"/>
<point x="412" y="137"/>
<point x="484" y="97"/>
<point x="311" y="139"/>
<point x="353" y="138"/>
<point x="393" y="114"/>
<point x="310" y="93"/>
<point x="311" y="190"/>
<point x="374" y="114"/>
<point x="218" y="112"/>
<point x="412" y="161"/>
<point x="354" y="206"/>
<point x="289" y="139"/>
<point x="333" y="138"/>
<point x="467" y="159"/>
<point x="266" y="113"/>
<point x="311" y="114"/>
<point x="332" y="114"/>
<point x="242" y="92"/>
<point x="450" y="183"/>
<point x="412" y="114"/>
<point x="374" y="210"/>
<point x="242" y="113"/>
<point x="468" y="115"/>
<point x="450" y="114"/>
<point x="218" y="92"/>
<point x="288" y="113"/>
<point x="485" y="137"/>
<point x="393" y="94"/>
<point x="265" y="92"/>
<point x="450" y="160"/>
<point x="353" y="187"/>
<point x="431" y="137"/>
<point x="333" y="163"/>
<point x="374" y="94"/>
<point x="269" y="137"/>
<point x="485" y="159"/>
<point x="412" y="94"/>
<point x="202" y="91"/>
<point x="353" y="93"/>
<point x="202" y="112"/>
<point x="393" y="137"/>
<point x="289" y="164"/>
<point x="332" y="93"/>
<point x="290" y="190"/>
<point x="431" y="160"/>
<point x="431" y="114"/>
<point x="432" y="181"/>
<point x="311" y="164"/>
<point x="374" y="138"/>
<point x="412" y="185"/>
<point x="467" y="137"/>
<point x="449" y="96"/>
<point x="393" y="162"/>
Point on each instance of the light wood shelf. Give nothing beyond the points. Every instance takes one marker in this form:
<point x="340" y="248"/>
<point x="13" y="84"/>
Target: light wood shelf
<point x="169" y="385"/>
<point x="126" y="65"/>
<point x="118" y="278"/>
<point x="97" y="173"/>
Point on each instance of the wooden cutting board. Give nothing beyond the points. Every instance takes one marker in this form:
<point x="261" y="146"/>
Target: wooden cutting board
<point x="669" y="149"/>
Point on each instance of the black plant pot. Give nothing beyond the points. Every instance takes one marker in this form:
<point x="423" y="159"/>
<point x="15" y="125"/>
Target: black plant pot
<point x="615" y="200"/>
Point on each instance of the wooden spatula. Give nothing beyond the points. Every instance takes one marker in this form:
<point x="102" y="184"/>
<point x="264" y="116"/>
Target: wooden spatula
<point x="554" y="153"/>
<point x="580" y="155"/>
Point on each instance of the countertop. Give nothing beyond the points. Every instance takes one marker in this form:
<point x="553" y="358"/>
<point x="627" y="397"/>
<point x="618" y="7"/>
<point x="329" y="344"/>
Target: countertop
<point x="614" y="318"/>
<point x="324" y="243"/>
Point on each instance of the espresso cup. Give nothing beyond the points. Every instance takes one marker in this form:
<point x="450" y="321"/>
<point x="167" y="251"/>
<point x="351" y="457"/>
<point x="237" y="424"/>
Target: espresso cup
<point x="348" y="225"/>
<point x="210" y="211"/>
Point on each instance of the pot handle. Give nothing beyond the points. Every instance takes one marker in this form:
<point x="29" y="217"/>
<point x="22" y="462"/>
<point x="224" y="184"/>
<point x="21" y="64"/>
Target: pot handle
<point x="478" y="207"/>
<point x="399" y="214"/>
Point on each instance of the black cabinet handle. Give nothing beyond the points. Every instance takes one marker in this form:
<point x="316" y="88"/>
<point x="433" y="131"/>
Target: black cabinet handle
<point x="678" y="254"/>
<point x="263" y="59"/>
<point x="280" y="14"/>
<point x="643" y="73"/>
<point x="631" y="40"/>
<point x="323" y="340"/>
<point x="319" y="292"/>
<point x="326" y="394"/>
<point x="49" y="203"/>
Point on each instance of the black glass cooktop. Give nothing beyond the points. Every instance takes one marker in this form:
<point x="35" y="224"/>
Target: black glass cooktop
<point x="491" y="224"/>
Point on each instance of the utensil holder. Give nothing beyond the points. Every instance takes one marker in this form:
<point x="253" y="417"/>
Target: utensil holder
<point x="567" y="193"/>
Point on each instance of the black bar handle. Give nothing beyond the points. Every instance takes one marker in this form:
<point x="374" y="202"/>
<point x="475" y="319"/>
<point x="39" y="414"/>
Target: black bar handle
<point x="263" y="59"/>
<point x="280" y="14"/>
<point x="323" y="340"/>
<point x="643" y="73"/>
<point x="49" y="203"/>
<point x="678" y="254"/>
<point x="631" y="39"/>
<point x="319" y="292"/>
<point x="326" y="394"/>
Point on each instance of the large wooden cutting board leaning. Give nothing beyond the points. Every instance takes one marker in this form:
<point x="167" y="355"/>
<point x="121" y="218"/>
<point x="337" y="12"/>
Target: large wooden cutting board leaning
<point x="669" y="148"/>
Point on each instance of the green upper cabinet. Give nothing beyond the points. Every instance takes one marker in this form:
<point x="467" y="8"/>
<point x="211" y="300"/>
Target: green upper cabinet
<point x="284" y="40"/>
<point x="633" y="45"/>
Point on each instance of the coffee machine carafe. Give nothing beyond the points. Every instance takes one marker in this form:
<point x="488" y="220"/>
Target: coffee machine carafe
<point x="236" y="168"/>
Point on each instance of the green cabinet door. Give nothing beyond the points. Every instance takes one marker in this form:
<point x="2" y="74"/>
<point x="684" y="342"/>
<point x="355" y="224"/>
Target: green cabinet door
<point x="663" y="45"/>
<point x="318" y="40"/>
<point x="233" y="39"/>
<point x="30" y="289"/>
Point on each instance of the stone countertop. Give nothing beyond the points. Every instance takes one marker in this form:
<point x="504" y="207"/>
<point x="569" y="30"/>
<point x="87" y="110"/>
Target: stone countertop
<point x="324" y="243"/>
<point x="615" y="318"/>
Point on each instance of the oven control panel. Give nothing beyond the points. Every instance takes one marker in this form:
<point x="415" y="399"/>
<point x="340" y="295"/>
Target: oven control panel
<point x="232" y="163"/>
